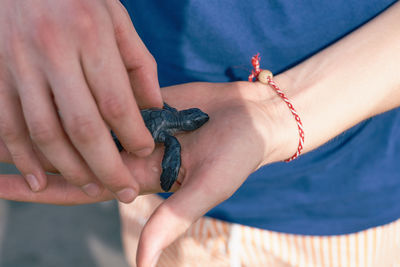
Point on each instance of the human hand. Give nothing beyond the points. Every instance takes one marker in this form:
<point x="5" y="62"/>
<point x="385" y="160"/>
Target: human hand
<point x="244" y="132"/>
<point x="66" y="73"/>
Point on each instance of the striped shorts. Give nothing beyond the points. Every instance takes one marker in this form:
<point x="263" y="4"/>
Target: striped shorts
<point x="210" y="242"/>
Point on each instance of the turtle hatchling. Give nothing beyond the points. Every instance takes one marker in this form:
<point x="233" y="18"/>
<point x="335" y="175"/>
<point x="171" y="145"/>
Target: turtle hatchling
<point x="163" y="124"/>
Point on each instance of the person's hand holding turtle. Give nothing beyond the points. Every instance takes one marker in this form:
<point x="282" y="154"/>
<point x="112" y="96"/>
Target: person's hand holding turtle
<point x="216" y="159"/>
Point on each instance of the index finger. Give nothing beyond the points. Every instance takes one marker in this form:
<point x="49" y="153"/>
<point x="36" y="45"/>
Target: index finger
<point x="108" y="79"/>
<point x="141" y="65"/>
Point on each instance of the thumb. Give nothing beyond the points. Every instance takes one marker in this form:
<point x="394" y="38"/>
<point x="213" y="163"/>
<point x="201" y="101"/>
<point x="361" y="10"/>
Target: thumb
<point x="141" y="66"/>
<point x="174" y="216"/>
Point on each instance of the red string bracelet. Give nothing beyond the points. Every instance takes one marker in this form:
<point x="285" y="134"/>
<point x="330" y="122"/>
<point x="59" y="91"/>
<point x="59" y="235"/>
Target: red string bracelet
<point x="265" y="77"/>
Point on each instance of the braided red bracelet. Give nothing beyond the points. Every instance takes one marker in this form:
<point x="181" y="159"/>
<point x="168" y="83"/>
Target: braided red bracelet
<point x="265" y="77"/>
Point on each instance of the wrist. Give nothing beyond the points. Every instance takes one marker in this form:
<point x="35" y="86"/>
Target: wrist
<point x="281" y="134"/>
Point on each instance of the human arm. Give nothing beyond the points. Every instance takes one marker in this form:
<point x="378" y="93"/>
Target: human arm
<point x="346" y="83"/>
<point x="67" y="69"/>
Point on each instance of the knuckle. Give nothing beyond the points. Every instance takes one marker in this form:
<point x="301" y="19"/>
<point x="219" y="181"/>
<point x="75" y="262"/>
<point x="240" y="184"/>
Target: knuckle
<point x="122" y="25"/>
<point x="145" y="64"/>
<point x="152" y="62"/>
<point x="113" y="107"/>
<point x="41" y="132"/>
<point x="119" y="29"/>
<point x="82" y="128"/>
<point x="85" y="22"/>
<point x="87" y="18"/>
<point x="44" y="32"/>
<point x="48" y="42"/>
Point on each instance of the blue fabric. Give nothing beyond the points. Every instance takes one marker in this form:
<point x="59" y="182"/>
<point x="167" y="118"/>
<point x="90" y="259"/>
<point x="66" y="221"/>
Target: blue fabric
<point x="349" y="184"/>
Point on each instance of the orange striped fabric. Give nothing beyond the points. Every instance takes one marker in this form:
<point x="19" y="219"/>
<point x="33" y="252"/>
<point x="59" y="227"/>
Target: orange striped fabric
<point x="211" y="242"/>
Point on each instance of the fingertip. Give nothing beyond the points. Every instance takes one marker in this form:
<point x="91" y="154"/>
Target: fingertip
<point x="141" y="144"/>
<point x="147" y="255"/>
<point x="164" y="226"/>
<point x="36" y="182"/>
<point x="32" y="171"/>
<point x="126" y="195"/>
<point x="92" y="190"/>
<point x="33" y="182"/>
<point x="144" y="152"/>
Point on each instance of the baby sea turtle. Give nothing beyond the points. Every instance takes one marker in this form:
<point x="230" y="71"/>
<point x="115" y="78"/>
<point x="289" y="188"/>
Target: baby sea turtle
<point x="163" y="124"/>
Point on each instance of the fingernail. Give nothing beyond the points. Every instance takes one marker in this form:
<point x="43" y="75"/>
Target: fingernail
<point x="143" y="152"/>
<point x="155" y="260"/>
<point x="126" y="195"/>
<point x="33" y="182"/>
<point x="92" y="189"/>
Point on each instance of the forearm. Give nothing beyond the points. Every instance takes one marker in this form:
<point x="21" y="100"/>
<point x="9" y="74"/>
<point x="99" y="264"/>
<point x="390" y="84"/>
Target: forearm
<point x="348" y="82"/>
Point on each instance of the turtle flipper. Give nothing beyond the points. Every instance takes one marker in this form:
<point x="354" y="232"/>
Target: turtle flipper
<point x="171" y="162"/>
<point x="168" y="107"/>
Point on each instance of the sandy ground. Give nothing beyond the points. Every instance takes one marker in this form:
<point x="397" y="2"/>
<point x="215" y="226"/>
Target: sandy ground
<point x="36" y="235"/>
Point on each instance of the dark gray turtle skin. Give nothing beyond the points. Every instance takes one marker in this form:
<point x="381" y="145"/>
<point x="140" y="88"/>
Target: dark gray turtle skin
<point x="163" y="124"/>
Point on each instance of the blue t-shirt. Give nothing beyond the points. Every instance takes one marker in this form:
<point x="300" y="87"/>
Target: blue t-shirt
<point x="347" y="185"/>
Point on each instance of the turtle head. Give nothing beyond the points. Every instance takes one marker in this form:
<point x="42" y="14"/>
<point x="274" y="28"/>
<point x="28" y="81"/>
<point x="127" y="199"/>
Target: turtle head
<point x="192" y="119"/>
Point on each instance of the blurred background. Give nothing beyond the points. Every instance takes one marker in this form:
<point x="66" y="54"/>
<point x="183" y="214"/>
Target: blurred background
<point x="37" y="235"/>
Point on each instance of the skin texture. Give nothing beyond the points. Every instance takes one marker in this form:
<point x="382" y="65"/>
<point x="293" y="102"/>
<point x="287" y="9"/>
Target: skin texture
<point x="63" y="79"/>
<point x="350" y="81"/>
